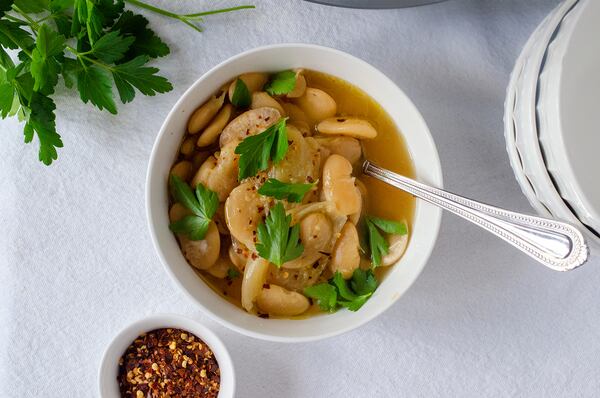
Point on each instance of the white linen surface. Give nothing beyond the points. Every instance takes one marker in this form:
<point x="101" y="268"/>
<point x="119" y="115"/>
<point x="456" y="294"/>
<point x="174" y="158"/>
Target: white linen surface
<point x="482" y="320"/>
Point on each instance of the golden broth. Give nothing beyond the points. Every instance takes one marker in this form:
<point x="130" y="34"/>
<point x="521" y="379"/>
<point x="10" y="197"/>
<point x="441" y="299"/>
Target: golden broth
<point x="387" y="150"/>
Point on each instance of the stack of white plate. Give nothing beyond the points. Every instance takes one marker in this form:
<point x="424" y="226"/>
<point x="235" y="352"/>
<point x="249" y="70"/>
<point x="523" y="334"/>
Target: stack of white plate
<point x="552" y="116"/>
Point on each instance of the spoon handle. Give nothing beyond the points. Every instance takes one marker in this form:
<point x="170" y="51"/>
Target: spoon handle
<point x="558" y="245"/>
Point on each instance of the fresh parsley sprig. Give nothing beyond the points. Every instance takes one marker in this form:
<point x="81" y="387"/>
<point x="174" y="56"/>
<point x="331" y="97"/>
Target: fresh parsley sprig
<point x="338" y="292"/>
<point x="279" y="242"/>
<point x="377" y="243"/>
<point x="203" y="204"/>
<point x="94" y="45"/>
<point x="281" y="83"/>
<point x="283" y="190"/>
<point x="257" y="150"/>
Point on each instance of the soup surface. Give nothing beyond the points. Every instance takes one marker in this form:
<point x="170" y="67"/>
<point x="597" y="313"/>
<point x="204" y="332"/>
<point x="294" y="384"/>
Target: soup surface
<point x="296" y="228"/>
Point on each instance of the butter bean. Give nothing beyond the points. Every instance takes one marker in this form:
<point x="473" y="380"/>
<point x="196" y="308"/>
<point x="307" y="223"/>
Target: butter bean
<point x="262" y="100"/>
<point x="182" y="170"/>
<point x="317" y="104"/>
<point x="278" y="301"/>
<point x="204" y="114"/>
<point x="348" y="126"/>
<point x="211" y="133"/>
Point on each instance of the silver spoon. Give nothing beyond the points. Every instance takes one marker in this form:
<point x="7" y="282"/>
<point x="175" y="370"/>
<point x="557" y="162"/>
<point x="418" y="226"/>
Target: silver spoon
<point x="556" y="244"/>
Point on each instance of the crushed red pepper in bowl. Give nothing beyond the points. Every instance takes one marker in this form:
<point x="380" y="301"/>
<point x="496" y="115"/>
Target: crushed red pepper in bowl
<point x="168" y="363"/>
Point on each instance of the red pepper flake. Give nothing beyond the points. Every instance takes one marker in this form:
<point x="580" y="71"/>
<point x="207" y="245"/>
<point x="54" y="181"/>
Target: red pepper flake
<point x="168" y="363"/>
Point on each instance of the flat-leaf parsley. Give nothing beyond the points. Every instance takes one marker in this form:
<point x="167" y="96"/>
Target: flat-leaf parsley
<point x="281" y="83"/>
<point x="203" y="205"/>
<point x="92" y="44"/>
<point x="338" y="292"/>
<point x="241" y="95"/>
<point x="283" y="190"/>
<point x="277" y="241"/>
<point x="256" y="150"/>
<point x="378" y="245"/>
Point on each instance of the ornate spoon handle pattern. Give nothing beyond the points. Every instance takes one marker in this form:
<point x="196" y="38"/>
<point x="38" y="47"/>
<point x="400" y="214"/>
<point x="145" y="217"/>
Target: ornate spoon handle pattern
<point x="556" y="244"/>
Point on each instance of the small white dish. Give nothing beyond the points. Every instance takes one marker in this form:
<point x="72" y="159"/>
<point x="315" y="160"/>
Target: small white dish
<point x="419" y="143"/>
<point x="568" y="112"/>
<point x="109" y="366"/>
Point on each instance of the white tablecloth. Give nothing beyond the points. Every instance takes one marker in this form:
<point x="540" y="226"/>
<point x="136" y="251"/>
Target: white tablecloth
<point x="77" y="262"/>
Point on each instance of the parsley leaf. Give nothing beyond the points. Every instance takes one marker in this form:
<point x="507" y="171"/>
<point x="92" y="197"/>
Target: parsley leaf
<point x="256" y="150"/>
<point x="377" y="243"/>
<point x="32" y="6"/>
<point x="363" y="282"/>
<point x="93" y="21"/>
<point x="280" y="146"/>
<point x="94" y="85"/>
<point x="283" y="190"/>
<point x="351" y="297"/>
<point x="194" y="227"/>
<point x="208" y="200"/>
<point x="241" y="95"/>
<point x="70" y="69"/>
<point x="389" y="226"/>
<point x="362" y="286"/>
<point x="86" y="14"/>
<point x="146" y="42"/>
<point x="135" y="74"/>
<point x="7" y="95"/>
<point x="46" y="58"/>
<point x="59" y="5"/>
<point x="109" y="10"/>
<point x="112" y="47"/>
<point x="63" y="24"/>
<point x="338" y="292"/>
<point x="325" y="294"/>
<point x="5" y="59"/>
<point x="277" y="241"/>
<point x="203" y="204"/>
<point x="342" y="287"/>
<point x="42" y="121"/>
<point x="5" y="5"/>
<point x="13" y="37"/>
<point x="281" y="83"/>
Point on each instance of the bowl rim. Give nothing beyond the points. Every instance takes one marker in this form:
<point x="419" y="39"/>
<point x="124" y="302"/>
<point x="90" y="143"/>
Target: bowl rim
<point x="434" y="169"/>
<point x="119" y="343"/>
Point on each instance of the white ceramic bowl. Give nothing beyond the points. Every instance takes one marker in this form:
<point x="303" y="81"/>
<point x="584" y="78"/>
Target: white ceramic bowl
<point x="419" y="144"/>
<point x="109" y="367"/>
